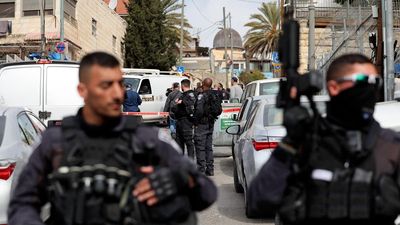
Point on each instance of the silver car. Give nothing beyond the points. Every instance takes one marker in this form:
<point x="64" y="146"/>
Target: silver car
<point x="20" y="131"/>
<point x="257" y="139"/>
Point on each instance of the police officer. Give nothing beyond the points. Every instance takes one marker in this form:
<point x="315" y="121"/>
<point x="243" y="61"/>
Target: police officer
<point x="350" y="175"/>
<point x="208" y="108"/>
<point x="103" y="168"/>
<point x="184" y="113"/>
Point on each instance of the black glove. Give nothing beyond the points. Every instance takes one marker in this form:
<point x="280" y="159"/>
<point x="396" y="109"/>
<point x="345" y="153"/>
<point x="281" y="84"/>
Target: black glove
<point x="167" y="183"/>
<point x="297" y="122"/>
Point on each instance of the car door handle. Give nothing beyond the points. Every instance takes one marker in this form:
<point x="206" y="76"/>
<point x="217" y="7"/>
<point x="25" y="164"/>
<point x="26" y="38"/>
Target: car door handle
<point x="44" y="115"/>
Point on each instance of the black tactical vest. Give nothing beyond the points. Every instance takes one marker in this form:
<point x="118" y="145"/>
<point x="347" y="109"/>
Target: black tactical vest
<point x="94" y="183"/>
<point x="338" y="183"/>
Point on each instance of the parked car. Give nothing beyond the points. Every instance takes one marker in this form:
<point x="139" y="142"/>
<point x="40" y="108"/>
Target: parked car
<point x="386" y="113"/>
<point x="242" y="117"/>
<point x="20" y="131"/>
<point x="257" y="139"/>
<point x="261" y="87"/>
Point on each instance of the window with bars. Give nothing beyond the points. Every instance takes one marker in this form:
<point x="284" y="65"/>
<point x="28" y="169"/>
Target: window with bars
<point x="7" y="8"/>
<point x="94" y="27"/>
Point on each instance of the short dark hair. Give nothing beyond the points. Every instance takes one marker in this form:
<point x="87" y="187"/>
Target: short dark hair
<point x="175" y="85"/>
<point x="234" y="79"/>
<point x="185" y="83"/>
<point x="340" y="65"/>
<point x="102" y="59"/>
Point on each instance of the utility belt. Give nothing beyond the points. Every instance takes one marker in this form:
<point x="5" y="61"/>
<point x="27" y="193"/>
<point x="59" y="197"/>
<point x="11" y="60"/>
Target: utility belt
<point x="102" y="195"/>
<point x="342" y="194"/>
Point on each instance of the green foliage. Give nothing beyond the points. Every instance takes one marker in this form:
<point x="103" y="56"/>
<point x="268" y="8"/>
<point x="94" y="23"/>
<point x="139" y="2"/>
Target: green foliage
<point x="263" y="34"/>
<point x="148" y="41"/>
<point x="251" y="76"/>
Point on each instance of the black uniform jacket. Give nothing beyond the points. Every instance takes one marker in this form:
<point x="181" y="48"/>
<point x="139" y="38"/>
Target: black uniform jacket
<point x="269" y="187"/>
<point x="31" y="191"/>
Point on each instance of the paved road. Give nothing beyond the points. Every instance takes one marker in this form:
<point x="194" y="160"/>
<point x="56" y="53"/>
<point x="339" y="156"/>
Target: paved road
<point x="229" y="208"/>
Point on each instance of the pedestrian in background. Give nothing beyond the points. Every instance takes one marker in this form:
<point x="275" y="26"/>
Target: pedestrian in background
<point x="132" y="100"/>
<point x="208" y="108"/>
<point x="184" y="112"/>
<point x="174" y="94"/>
<point x="236" y="90"/>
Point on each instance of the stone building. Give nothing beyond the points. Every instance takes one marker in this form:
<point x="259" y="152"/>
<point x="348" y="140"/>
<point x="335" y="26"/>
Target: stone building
<point x="88" y="26"/>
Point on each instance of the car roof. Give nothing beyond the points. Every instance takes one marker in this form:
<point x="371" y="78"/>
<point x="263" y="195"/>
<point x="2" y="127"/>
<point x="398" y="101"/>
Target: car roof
<point x="260" y="97"/>
<point x="271" y="99"/>
<point x="8" y="110"/>
<point x="269" y="80"/>
<point x="35" y="63"/>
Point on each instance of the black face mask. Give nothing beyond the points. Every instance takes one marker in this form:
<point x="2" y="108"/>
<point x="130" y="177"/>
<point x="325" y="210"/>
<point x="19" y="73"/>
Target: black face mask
<point x="353" y="108"/>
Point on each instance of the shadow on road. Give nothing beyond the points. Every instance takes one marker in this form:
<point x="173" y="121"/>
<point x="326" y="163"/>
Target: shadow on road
<point x="226" y="165"/>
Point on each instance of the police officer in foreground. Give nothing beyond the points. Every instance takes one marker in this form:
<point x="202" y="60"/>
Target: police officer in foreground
<point x="101" y="168"/>
<point x="351" y="174"/>
<point x="184" y="113"/>
<point x="208" y="108"/>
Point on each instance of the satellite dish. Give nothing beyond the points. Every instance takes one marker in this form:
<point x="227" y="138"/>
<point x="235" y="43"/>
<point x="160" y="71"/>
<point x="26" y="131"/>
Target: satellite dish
<point x="113" y="4"/>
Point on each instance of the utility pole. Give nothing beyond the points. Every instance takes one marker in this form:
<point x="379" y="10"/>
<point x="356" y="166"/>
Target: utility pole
<point x="230" y="30"/>
<point x="62" y="24"/>
<point x="311" y="36"/>
<point x="226" y="50"/>
<point x="43" y="28"/>
<point x="379" y="50"/>
<point x="181" y="44"/>
<point x="389" y="50"/>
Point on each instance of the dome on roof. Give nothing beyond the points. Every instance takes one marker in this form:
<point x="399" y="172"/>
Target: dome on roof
<point x="219" y="39"/>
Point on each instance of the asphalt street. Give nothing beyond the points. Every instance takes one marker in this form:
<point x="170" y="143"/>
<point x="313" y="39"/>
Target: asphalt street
<point x="229" y="209"/>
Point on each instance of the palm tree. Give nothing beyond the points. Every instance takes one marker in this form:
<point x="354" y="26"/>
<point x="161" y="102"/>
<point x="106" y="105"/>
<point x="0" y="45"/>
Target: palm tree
<point x="262" y="37"/>
<point x="171" y="9"/>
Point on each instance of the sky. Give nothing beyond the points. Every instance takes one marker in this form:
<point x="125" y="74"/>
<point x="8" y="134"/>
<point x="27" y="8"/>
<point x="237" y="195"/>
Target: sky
<point x="204" y="15"/>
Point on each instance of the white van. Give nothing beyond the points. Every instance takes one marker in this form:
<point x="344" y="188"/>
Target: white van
<point x="261" y="87"/>
<point x="152" y="87"/>
<point x="48" y="88"/>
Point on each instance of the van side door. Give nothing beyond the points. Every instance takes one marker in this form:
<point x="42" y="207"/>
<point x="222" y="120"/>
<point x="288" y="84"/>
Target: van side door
<point x="61" y="96"/>
<point x="21" y="86"/>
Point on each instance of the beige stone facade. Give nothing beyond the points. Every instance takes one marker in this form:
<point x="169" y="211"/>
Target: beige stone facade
<point x="79" y="35"/>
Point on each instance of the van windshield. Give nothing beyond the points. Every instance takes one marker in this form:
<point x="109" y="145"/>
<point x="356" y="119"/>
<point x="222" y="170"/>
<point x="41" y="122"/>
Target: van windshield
<point x="134" y="82"/>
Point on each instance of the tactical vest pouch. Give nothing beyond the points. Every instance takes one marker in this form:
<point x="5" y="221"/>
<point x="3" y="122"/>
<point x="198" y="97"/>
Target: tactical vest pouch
<point x="338" y="194"/>
<point x="360" y="194"/>
<point x="293" y="208"/>
<point x="317" y="198"/>
<point x="387" y="198"/>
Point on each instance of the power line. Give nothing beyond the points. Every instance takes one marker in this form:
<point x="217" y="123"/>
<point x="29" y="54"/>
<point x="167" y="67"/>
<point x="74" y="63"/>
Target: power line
<point x="207" y="28"/>
<point x="251" y="1"/>
<point x="198" y="10"/>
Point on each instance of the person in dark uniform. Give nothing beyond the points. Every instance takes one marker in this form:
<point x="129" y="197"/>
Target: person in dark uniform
<point x="350" y="174"/>
<point x="169" y="104"/>
<point x="184" y="113"/>
<point x="208" y="108"/>
<point x="100" y="167"/>
<point x="132" y="100"/>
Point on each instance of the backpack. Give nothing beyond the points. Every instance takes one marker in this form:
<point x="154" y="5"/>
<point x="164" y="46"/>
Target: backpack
<point x="189" y="102"/>
<point x="213" y="104"/>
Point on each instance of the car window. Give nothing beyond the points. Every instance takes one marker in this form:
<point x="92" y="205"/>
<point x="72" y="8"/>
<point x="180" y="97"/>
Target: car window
<point x="274" y="116"/>
<point x="145" y="87"/>
<point x="253" y="90"/>
<point x="134" y="82"/>
<point x="2" y="127"/>
<point x="250" y="121"/>
<point x="27" y="129"/>
<point x="20" y="86"/>
<point x="241" y="112"/>
<point x="61" y="86"/>
<point x="271" y="88"/>
<point x="253" y="103"/>
<point x="38" y="125"/>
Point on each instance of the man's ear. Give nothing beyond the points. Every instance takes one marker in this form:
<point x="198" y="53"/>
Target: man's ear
<point x="333" y="88"/>
<point x="82" y="90"/>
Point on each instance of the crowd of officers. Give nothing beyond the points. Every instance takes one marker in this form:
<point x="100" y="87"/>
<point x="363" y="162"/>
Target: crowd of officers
<point x="102" y="168"/>
<point x="191" y="120"/>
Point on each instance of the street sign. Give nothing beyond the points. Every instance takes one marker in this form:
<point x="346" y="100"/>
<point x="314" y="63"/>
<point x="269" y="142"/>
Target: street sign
<point x="180" y="69"/>
<point x="275" y="57"/>
<point x="60" y="47"/>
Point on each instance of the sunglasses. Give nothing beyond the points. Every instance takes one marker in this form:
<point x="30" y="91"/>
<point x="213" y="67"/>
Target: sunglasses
<point x="360" y="78"/>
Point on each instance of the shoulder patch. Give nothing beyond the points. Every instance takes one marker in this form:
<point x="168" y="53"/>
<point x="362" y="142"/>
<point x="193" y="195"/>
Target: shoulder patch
<point x="191" y="94"/>
<point x="164" y="136"/>
<point x="200" y="97"/>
